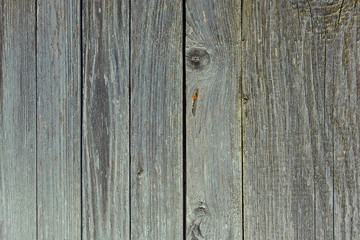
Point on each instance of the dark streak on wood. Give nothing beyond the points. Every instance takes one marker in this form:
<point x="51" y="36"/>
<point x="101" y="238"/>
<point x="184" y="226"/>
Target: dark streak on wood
<point x="98" y="113"/>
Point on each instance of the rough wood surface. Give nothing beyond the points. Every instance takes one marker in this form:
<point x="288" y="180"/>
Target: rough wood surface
<point x="298" y="76"/>
<point x="213" y="127"/>
<point x="271" y="119"/>
<point x="106" y="212"/>
<point x="156" y="120"/>
<point x="283" y="119"/>
<point x="343" y="99"/>
<point x="17" y="120"/>
<point x="58" y="119"/>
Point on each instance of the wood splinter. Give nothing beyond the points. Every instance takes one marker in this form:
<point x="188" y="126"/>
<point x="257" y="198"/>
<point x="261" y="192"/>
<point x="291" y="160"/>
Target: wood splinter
<point x="194" y="97"/>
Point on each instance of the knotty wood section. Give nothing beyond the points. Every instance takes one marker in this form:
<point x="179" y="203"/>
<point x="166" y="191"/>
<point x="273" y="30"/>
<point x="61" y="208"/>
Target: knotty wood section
<point x="106" y="161"/>
<point x="58" y="119"/>
<point x="17" y="120"/>
<point x="156" y="120"/>
<point x="213" y="129"/>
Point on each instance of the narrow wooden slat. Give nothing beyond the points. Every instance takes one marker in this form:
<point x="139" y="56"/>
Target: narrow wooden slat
<point x="213" y="127"/>
<point x="17" y="120"/>
<point x="58" y="118"/>
<point x="106" y="213"/>
<point x="288" y="181"/>
<point x="156" y="120"/>
<point x="343" y="100"/>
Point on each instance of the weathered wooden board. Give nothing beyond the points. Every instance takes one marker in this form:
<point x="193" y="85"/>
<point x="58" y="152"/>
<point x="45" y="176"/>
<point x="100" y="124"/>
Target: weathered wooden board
<point x="343" y="100"/>
<point x="58" y="119"/>
<point x="106" y="212"/>
<point x="272" y="139"/>
<point x="17" y="120"/>
<point x="156" y="120"/>
<point x="288" y="168"/>
<point x="213" y="127"/>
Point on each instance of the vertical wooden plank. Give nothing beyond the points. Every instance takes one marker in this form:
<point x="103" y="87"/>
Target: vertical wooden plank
<point x="343" y="70"/>
<point x="17" y="120"/>
<point x="213" y="127"/>
<point x="106" y="212"/>
<point x="156" y="120"/>
<point x="58" y="72"/>
<point x="288" y="169"/>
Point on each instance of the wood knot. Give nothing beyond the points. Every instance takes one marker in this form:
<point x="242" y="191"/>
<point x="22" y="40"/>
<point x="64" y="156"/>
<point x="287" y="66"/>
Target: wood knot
<point x="199" y="229"/>
<point x="197" y="58"/>
<point x="245" y="98"/>
<point x="139" y="171"/>
<point x="298" y="4"/>
<point x="201" y="210"/>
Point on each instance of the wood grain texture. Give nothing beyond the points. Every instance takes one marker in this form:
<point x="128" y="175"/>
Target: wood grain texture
<point x="17" y="120"/>
<point x="106" y="212"/>
<point x="213" y="129"/>
<point x="156" y="120"/>
<point x="272" y="133"/>
<point x="343" y="99"/>
<point x="288" y="167"/>
<point x="58" y="117"/>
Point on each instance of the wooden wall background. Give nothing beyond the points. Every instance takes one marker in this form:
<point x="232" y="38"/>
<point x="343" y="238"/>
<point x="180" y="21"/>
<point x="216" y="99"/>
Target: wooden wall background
<point x="99" y="139"/>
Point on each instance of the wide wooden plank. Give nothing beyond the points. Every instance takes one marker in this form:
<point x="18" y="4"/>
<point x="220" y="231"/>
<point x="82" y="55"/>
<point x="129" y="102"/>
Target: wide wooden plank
<point x="106" y="212"/>
<point x="213" y="124"/>
<point x="58" y="119"/>
<point x="156" y="120"/>
<point x="17" y="120"/>
<point x="343" y="100"/>
<point x="288" y="169"/>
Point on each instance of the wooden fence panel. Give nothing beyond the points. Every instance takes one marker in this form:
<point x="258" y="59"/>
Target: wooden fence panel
<point x="58" y="119"/>
<point x="204" y="119"/>
<point x="343" y="100"/>
<point x="106" y="212"/>
<point x="17" y="120"/>
<point x="156" y="120"/>
<point x="213" y="119"/>
<point x="288" y="168"/>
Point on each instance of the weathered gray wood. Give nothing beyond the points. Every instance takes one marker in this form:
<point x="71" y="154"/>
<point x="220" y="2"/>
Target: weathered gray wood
<point x="58" y="118"/>
<point x="288" y="169"/>
<point x="106" y="212"/>
<point x="343" y="100"/>
<point x="17" y="120"/>
<point x="282" y="74"/>
<point x="156" y="120"/>
<point x="213" y="131"/>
